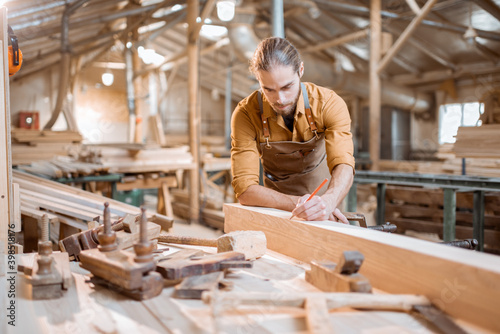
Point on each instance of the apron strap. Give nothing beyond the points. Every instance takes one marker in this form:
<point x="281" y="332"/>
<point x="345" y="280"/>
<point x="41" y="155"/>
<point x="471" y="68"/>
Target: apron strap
<point x="307" y="108"/>
<point x="265" y="123"/>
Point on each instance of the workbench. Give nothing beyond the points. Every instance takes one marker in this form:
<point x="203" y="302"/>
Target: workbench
<point x="460" y="282"/>
<point x="85" y="308"/>
<point x="451" y="184"/>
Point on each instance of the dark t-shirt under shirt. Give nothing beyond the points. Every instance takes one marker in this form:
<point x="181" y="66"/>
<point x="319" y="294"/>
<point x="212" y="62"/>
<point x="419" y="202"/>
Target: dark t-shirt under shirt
<point x="289" y="122"/>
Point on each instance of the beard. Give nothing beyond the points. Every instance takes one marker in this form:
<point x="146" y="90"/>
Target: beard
<point x="286" y="109"/>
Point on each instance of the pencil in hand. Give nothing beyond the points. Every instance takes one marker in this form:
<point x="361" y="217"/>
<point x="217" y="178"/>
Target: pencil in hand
<point x="314" y="193"/>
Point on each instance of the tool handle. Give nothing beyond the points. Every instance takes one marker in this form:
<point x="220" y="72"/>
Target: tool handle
<point x="177" y="239"/>
<point x="359" y="217"/>
<point x="333" y="300"/>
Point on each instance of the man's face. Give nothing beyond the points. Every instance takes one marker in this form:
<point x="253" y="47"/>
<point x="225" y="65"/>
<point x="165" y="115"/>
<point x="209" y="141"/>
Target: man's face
<point x="281" y="86"/>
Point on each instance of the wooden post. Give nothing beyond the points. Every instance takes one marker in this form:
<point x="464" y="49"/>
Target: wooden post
<point x="375" y="89"/>
<point x="6" y="216"/>
<point x="194" y="112"/>
<point x="138" y="91"/>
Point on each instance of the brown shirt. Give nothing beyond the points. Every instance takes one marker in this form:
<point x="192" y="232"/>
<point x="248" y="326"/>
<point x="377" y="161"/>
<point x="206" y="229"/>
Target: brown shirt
<point x="330" y="114"/>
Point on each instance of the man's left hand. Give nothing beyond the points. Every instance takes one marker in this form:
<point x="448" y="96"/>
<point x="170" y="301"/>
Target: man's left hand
<point x="338" y="216"/>
<point x="317" y="209"/>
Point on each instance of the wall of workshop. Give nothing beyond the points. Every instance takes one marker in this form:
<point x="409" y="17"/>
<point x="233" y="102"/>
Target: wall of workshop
<point x="38" y="92"/>
<point x="101" y="112"/>
<point x="175" y="115"/>
<point x="425" y="131"/>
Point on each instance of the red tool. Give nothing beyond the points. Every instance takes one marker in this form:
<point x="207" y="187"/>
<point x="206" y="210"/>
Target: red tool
<point x="314" y="192"/>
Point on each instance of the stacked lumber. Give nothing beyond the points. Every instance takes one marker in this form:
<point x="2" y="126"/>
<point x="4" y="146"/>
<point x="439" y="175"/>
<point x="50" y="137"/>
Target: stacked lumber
<point x="412" y="166"/>
<point x="135" y="159"/>
<point x="212" y="163"/>
<point x="33" y="145"/>
<point x="33" y="137"/>
<point x="209" y="144"/>
<point x="71" y="206"/>
<point x="23" y="154"/>
<point x="452" y="164"/>
<point x="478" y="142"/>
<point x="62" y="166"/>
<point x="211" y="211"/>
<point x="421" y="210"/>
<point x="449" y="164"/>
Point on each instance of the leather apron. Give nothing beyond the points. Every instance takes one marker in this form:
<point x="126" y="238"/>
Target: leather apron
<point x="294" y="168"/>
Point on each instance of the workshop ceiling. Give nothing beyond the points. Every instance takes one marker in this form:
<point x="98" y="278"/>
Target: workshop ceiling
<point x="99" y="30"/>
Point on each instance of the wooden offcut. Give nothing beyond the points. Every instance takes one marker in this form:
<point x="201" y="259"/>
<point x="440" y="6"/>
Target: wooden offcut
<point x="455" y="280"/>
<point x="192" y="287"/>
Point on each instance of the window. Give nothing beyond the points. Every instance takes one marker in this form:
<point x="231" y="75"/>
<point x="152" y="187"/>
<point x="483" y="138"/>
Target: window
<point x="452" y="116"/>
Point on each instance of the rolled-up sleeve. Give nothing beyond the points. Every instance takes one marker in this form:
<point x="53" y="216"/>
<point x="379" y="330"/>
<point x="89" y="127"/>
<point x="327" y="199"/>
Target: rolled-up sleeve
<point x="244" y="153"/>
<point x="339" y="144"/>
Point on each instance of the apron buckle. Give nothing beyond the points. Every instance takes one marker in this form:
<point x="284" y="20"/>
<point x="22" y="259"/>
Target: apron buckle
<point x="267" y="143"/>
<point x="316" y="134"/>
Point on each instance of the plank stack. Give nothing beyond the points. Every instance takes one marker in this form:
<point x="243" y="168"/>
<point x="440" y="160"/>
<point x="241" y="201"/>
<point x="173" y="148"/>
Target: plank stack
<point x="68" y="206"/>
<point x="32" y="145"/>
<point x="478" y="142"/>
<point x="420" y="210"/>
<point x="129" y="158"/>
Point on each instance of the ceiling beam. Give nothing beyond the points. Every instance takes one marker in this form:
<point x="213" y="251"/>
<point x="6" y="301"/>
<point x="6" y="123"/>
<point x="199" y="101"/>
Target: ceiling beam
<point x="489" y="6"/>
<point x="365" y="12"/>
<point x="484" y="68"/>
<point x="338" y="40"/>
<point x="405" y="35"/>
<point x="427" y="48"/>
<point x="205" y="13"/>
<point x="87" y="21"/>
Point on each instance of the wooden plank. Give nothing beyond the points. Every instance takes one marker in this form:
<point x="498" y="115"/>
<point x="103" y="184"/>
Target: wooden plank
<point x="5" y="159"/>
<point x="317" y="317"/>
<point x="37" y="214"/>
<point x="77" y="196"/>
<point x="16" y="200"/>
<point x="164" y="200"/>
<point x="457" y="281"/>
<point x="65" y="192"/>
<point x="42" y="200"/>
<point x="61" y="207"/>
